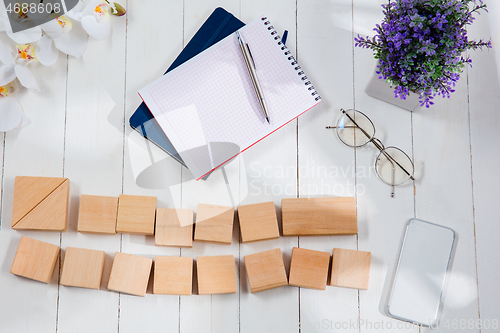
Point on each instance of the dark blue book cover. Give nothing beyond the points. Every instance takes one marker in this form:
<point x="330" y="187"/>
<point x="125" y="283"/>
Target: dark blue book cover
<point x="219" y="25"/>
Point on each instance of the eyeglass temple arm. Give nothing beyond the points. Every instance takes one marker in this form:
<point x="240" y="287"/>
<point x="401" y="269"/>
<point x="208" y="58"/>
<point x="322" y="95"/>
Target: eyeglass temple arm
<point x="379" y="147"/>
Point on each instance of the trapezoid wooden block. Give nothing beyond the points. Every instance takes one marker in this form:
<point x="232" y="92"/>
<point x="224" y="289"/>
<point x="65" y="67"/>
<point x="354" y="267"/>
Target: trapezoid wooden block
<point x="174" y="227"/>
<point x="82" y="268"/>
<point x="173" y="275"/>
<point x="350" y="269"/>
<point x="265" y="270"/>
<point x="319" y="216"/>
<point x="258" y="222"/>
<point x="136" y="214"/>
<point x="309" y="268"/>
<point x="97" y="214"/>
<point x="130" y="274"/>
<point x="216" y="275"/>
<point x="35" y="259"/>
<point x="40" y="203"/>
<point x="214" y="224"/>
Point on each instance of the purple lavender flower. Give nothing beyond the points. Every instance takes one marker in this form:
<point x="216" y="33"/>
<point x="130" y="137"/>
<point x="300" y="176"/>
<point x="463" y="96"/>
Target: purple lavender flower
<point x="420" y="44"/>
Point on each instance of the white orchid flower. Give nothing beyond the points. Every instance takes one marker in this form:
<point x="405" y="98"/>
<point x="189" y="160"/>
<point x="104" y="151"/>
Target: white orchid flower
<point x="11" y="112"/>
<point x="68" y="36"/>
<point x="12" y="66"/>
<point x="94" y="18"/>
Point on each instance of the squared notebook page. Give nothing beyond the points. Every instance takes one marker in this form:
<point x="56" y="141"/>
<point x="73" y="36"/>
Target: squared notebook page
<point x="208" y="108"/>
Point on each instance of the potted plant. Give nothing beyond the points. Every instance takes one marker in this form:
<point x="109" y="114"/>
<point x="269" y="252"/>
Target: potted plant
<point x="420" y="45"/>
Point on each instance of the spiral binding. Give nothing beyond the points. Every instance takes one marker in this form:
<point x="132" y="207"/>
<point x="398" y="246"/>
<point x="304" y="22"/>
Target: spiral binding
<point x="292" y="60"/>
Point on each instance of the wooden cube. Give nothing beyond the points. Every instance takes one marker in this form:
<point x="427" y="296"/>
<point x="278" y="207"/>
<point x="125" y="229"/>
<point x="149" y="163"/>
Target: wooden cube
<point x="40" y="203"/>
<point x="130" y="274"/>
<point x="98" y="214"/>
<point x="319" y="216"/>
<point x="35" y="259"/>
<point x="350" y="269"/>
<point x="265" y="270"/>
<point x="216" y="275"/>
<point x="136" y="215"/>
<point x="214" y="224"/>
<point x="82" y="268"/>
<point x="258" y="222"/>
<point x="309" y="268"/>
<point x="173" y="275"/>
<point x="174" y="227"/>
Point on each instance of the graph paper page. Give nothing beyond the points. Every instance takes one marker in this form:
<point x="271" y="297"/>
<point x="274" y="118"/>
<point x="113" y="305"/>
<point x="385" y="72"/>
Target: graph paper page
<point x="208" y="108"/>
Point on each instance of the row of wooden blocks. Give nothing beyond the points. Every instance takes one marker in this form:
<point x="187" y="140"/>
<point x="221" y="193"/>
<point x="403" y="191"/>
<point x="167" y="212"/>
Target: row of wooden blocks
<point x="173" y="275"/>
<point x="41" y="203"/>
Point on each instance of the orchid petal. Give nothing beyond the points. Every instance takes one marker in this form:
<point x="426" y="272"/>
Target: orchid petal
<point x="46" y="52"/>
<point x="52" y="28"/>
<point x="26" y="121"/>
<point x="26" y="36"/>
<point x="73" y="43"/>
<point x="6" y="55"/>
<point x="11" y="114"/>
<point x="7" y="74"/>
<point x="90" y="8"/>
<point x="76" y="12"/>
<point x="26" y="78"/>
<point x="4" y="22"/>
<point x="95" y="29"/>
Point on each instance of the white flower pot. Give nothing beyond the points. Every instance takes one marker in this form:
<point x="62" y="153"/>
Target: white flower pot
<point x="382" y="90"/>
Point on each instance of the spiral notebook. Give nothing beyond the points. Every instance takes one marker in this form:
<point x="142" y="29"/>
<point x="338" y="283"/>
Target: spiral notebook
<point x="207" y="106"/>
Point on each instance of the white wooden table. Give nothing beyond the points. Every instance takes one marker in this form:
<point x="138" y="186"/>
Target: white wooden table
<point x="79" y="129"/>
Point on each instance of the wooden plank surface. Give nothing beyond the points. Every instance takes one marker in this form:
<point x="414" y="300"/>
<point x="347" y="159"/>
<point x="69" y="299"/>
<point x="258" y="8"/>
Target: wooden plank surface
<point x="154" y="31"/>
<point x="326" y="167"/>
<point x="484" y="99"/>
<point x="93" y="163"/>
<point x="383" y="217"/>
<point x="269" y="173"/>
<point x="33" y="151"/>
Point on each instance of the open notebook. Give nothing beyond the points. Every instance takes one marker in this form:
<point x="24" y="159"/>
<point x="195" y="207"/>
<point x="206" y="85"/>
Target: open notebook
<point x="207" y="106"/>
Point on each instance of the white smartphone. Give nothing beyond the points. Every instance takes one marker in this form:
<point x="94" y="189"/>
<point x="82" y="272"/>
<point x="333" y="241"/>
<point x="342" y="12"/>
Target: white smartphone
<point x="423" y="265"/>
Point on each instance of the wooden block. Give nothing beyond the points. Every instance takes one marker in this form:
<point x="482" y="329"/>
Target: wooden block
<point x="216" y="275"/>
<point x="98" y="214"/>
<point x="174" y="227"/>
<point x="40" y="203"/>
<point x="265" y="270"/>
<point x="350" y="269"/>
<point x="173" y="275"/>
<point x="319" y="216"/>
<point x="258" y="222"/>
<point x="136" y="215"/>
<point x="82" y="268"/>
<point x="214" y="224"/>
<point x="35" y="259"/>
<point x="309" y="268"/>
<point x="130" y="274"/>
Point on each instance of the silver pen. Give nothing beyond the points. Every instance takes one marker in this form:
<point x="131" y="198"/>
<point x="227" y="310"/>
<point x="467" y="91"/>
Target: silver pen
<point x="247" y="55"/>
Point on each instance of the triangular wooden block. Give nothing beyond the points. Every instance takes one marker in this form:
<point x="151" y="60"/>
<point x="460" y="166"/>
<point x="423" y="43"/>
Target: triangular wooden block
<point x="29" y="192"/>
<point x="50" y="213"/>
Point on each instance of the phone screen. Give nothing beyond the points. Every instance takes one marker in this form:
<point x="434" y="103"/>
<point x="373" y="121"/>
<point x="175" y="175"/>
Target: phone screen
<point x="421" y="272"/>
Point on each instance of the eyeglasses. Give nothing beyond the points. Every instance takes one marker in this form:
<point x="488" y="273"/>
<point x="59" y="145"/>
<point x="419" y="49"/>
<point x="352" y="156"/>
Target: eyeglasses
<point x="393" y="166"/>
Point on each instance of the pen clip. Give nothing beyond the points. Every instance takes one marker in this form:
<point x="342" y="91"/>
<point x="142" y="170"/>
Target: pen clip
<point x="251" y="56"/>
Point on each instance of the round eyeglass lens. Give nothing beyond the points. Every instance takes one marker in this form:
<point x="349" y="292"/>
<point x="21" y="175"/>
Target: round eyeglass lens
<point x="355" y="129"/>
<point x="393" y="166"/>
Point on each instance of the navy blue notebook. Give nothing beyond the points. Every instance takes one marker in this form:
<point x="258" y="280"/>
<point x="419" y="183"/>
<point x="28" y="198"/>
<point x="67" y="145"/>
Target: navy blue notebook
<point x="219" y="25"/>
